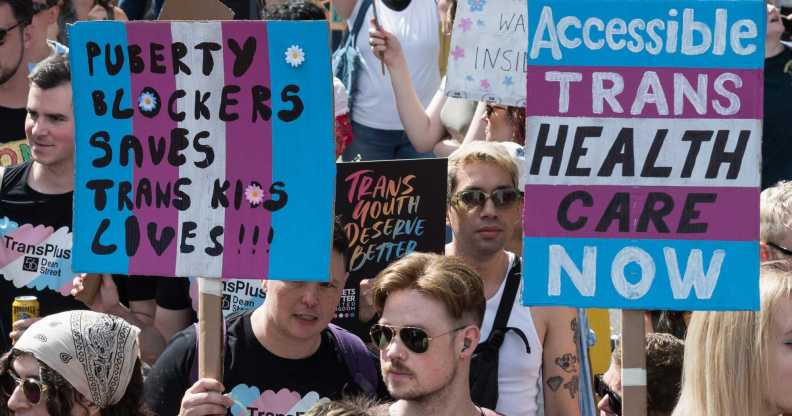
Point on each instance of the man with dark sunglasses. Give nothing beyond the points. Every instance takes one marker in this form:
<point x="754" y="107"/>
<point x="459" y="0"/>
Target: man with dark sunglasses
<point x="431" y="307"/>
<point x="483" y="210"/>
<point x="775" y="222"/>
<point x="15" y="33"/>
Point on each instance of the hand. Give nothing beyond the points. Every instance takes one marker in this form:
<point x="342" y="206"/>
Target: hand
<point x="205" y="397"/>
<point x="385" y="46"/>
<point x="106" y="299"/>
<point x="19" y="327"/>
<point x="366" y="310"/>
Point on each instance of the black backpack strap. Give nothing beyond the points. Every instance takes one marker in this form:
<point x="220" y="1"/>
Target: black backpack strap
<point x="499" y="326"/>
<point x="359" y="20"/>
<point x="358" y="359"/>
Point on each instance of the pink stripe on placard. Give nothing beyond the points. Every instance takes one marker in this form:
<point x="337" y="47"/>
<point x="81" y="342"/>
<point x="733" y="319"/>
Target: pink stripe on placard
<point x="729" y="213"/>
<point x="147" y="261"/>
<point x="723" y="97"/>
<point x="248" y="154"/>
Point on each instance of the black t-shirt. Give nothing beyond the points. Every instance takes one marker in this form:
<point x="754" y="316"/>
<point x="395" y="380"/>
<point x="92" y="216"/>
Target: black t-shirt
<point x="777" y="129"/>
<point x="13" y="122"/>
<point x="261" y="381"/>
<point x="28" y="209"/>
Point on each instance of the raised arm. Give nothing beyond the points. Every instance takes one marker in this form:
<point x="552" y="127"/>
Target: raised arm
<point x="560" y="363"/>
<point x="423" y="126"/>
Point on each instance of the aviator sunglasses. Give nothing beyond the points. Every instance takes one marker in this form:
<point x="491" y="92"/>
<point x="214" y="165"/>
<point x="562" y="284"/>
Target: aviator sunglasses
<point x="602" y="389"/>
<point x="415" y="339"/>
<point x="32" y="388"/>
<point x="476" y="198"/>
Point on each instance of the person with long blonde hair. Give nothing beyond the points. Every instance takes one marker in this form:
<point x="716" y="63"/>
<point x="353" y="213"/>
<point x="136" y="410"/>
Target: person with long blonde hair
<point x="740" y="363"/>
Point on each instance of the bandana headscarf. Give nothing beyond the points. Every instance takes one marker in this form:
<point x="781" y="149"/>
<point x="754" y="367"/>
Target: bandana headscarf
<point x="94" y="352"/>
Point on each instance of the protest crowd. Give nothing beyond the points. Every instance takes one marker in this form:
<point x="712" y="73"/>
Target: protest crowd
<point x="436" y="327"/>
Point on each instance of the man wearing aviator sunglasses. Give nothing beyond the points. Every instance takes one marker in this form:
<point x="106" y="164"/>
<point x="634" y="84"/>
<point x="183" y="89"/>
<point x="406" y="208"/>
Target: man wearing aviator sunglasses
<point x="483" y="212"/>
<point x="431" y="307"/>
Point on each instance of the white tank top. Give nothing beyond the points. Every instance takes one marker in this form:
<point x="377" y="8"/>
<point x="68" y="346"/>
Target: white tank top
<point x="417" y="28"/>
<point x="518" y="372"/>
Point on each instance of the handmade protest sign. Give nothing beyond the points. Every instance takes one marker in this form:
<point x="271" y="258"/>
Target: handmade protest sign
<point x="642" y="154"/>
<point x="389" y="209"/>
<point x="203" y="148"/>
<point x="14" y="152"/>
<point x="488" y="59"/>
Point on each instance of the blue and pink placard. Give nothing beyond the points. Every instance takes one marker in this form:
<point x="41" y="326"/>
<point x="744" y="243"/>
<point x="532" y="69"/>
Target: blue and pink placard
<point x="203" y="149"/>
<point x="643" y="145"/>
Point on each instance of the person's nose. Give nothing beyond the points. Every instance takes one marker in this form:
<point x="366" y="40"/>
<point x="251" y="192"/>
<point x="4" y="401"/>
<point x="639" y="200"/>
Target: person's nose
<point x="17" y="401"/>
<point x="310" y="295"/>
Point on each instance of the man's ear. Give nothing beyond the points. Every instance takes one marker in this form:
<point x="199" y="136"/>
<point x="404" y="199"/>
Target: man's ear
<point x="470" y="339"/>
<point x="764" y="251"/>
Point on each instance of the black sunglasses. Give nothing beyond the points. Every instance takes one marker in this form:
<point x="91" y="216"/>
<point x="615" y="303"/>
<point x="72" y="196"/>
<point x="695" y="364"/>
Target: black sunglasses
<point x="602" y="389"/>
<point x="4" y="32"/>
<point x="40" y="7"/>
<point x="785" y="251"/>
<point x="473" y="198"/>
<point x="32" y="388"/>
<point x="415" y="339"/>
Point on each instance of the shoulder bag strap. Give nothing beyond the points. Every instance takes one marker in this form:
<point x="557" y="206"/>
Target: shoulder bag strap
<point x="509" y="294"/>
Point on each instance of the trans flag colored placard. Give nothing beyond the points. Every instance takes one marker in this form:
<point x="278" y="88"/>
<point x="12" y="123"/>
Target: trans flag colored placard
<point x="203" y="149"/>
<point x="643" y="144"/>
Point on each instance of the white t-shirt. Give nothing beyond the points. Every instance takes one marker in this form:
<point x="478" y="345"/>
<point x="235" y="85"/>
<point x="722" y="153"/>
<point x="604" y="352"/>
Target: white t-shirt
<point x="519" y="373"/>
<point x="417" y="28"/>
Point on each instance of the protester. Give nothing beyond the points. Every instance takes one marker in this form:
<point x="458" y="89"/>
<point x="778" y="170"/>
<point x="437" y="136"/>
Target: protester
<point x="775" y="222"/>
<point x="15" y="35"/>
<point x="664" y="353"/>
<point x="76" y="362"/>
<point x="431" y="308"/>
<point x="777" y="126"/>
<point x="351" y="406"/>
<point x="483" y="208"/>
<point x="378" y="133"/>
<point x="740" y="363"/>
<point x="288" y="339"/>
<point x="38" y="193"/>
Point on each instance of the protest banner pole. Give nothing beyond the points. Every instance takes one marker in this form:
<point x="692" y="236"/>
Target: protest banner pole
<point x="633" y="363"/>
<point x="210" y="328"/>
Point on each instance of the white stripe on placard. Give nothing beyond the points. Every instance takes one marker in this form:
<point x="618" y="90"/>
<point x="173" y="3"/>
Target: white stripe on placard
<point x="687" y="146"/>
<point x="633" y="377"/>
<point x="197" y="262"/>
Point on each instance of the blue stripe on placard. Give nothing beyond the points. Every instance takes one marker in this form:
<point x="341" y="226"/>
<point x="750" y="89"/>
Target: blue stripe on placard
<point x="610" y="33"/>
<point x="87" y="218"/>
<point x="592" y="285"/>
<point x="303" y="153"/>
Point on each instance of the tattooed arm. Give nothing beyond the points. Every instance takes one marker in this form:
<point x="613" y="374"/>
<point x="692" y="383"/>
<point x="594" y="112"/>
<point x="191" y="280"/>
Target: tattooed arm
<point x="560" y="365"/>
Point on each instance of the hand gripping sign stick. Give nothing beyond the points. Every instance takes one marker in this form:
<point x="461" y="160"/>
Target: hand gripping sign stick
<point x="633" y="363"/>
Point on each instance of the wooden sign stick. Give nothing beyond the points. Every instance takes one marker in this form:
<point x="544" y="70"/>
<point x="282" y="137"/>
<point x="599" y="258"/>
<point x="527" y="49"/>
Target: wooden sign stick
<point x="210" y="329"/>
<point x="633" y="363"/>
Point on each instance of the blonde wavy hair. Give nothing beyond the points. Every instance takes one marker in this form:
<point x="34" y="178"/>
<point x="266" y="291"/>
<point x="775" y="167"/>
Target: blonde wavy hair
<point x="727" y="366"/>
<point x="775" y="212"/>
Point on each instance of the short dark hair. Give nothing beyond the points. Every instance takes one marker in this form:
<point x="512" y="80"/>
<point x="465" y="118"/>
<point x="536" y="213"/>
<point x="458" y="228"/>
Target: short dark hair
<point x="295" y="10"/>
<point x="341" y="242"/>
<point x="52" y="72"/>
<point x="22" y="9"/>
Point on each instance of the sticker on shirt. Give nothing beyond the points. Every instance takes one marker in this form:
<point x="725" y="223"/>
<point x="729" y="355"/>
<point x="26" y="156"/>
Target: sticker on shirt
<point x="14" y="153"/>
<point x="238" y="295"/>
<point x="37" y="257"/>
<point x="248" y="401"/>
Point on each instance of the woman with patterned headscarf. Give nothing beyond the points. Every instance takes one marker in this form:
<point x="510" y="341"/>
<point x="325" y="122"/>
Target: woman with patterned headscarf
<point x="74" y="363"/>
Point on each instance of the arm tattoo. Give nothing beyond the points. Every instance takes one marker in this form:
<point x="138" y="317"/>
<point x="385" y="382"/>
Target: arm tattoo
<point x="572" y="386"/>
<point x="554" y="382"/>
<point x="567" y="362"/>
<point x="575" y="333"/>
